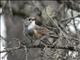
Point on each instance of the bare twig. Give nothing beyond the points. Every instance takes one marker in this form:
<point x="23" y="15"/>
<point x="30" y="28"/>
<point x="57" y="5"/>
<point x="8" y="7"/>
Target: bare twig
<point x="2" y="38"/>
<point x="25" y="48"/>
<point x="14" y="48"/>
<point x="69" y="19"/>
<point x="10" y="7"/>
<point x="10" y="49"/>
<point x="72" y="5"/>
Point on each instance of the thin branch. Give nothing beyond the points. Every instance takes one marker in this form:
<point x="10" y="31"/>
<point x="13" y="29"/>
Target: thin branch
<point x="14" y="48"/>
<point x="10" y="49"/>
<point x="10" y="7"/>
<point x="58" y="47"/>
<point x="2" y="38"/>
<point x="74" y="21"/>
<point x="26" y="53"/>
<point x="69" y="19"/>
<point x="72" y="5"/>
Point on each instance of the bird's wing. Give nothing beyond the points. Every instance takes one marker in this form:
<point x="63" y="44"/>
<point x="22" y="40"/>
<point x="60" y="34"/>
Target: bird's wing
<point x="41" y="30"/>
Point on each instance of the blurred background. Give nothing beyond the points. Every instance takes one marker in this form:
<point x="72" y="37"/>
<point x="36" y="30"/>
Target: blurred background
<point x="60" y="17"/>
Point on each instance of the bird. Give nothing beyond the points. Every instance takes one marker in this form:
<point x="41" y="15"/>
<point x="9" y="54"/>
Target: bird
<point x="35" y="30"/>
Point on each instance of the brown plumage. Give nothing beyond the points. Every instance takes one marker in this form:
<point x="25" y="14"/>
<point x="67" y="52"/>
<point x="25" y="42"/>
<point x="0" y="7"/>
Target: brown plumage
<point x="40" y="31"/>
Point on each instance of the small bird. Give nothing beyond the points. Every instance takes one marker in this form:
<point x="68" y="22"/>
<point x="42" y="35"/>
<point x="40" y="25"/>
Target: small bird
<point x="36" y="30"/>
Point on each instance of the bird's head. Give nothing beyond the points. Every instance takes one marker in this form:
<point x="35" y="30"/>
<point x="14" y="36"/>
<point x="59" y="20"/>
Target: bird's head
<point x="36" y="19"/>
<point x="32" y="18"/>
<point x="32" y="24"/>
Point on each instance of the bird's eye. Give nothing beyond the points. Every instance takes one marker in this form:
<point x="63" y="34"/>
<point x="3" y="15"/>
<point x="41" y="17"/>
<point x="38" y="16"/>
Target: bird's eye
<point x="29" y="19"/>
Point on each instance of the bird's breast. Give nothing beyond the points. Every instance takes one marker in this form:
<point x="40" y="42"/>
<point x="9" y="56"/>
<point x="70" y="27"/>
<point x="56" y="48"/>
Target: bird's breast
<point x="30" y="32"/>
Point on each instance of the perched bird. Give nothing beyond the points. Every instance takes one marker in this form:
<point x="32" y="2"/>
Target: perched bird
<point x="35" y="30"/>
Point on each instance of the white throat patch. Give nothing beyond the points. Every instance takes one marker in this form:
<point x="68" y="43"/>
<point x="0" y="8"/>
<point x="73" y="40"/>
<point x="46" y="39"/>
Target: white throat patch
<point x="32" y="25"/>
